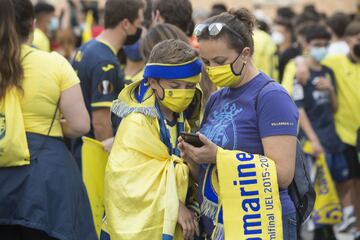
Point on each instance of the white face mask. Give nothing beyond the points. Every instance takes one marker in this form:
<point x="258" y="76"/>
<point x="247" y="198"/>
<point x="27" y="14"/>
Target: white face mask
<point x="277" y="37"/>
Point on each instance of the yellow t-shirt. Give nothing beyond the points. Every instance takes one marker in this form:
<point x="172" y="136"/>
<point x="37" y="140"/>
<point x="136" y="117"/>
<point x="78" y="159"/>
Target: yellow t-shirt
<point x="41" y="41"/>
<point x="289" y="77"/>
<point x="347" y="118"/>
<point x="46" y="75"/>
<point x="264" y="56"/>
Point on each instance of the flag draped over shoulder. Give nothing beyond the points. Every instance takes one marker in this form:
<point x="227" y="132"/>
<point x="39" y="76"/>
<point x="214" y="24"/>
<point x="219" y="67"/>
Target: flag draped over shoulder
<point x="143" y="182"/>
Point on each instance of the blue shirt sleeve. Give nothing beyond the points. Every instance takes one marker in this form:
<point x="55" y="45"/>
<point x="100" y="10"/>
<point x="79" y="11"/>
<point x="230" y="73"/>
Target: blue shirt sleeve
<point x="104" y="85"/>
<point x="277" y="114"/>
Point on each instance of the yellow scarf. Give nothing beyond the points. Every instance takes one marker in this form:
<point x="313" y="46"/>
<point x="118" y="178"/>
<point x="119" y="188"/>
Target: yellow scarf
<point x="241" y="196"/>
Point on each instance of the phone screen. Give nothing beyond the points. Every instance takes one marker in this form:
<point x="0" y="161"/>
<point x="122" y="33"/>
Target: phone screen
<point x="192" y="139"/>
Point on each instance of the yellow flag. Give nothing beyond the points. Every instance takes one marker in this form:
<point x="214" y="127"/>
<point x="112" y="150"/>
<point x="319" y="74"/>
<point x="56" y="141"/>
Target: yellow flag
<point x="327" y="208"/>
<point x="94" y="160"/>
<point x="87" y="32"/>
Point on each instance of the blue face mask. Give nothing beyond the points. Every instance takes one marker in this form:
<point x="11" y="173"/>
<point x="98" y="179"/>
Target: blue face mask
<point x="132" y="52"/>
<point x="54" y="24"/>
<point x="318" y="53"/>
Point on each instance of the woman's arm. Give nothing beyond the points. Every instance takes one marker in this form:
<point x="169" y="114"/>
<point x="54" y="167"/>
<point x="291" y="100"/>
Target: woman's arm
<point x="76" y="120"/>
<point x="310" y="133"/>
<point x="282" y="150"/>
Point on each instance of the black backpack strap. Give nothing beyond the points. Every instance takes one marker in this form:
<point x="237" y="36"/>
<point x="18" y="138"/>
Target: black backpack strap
<point x="258" y="95"/>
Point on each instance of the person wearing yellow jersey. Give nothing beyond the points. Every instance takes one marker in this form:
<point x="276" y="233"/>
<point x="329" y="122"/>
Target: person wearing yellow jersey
<point x="265" y="58"/>
<point x="146" y="182"/>
<point x="46" y="22"/>
<point x="45" y="199"/>
<point x="347" y="118"/>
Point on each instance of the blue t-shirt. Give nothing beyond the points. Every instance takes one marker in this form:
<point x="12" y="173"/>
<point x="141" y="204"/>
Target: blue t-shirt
<point x="231" y="121"/>
<point x="317" y="105"/>
<point x="101" y="80"/>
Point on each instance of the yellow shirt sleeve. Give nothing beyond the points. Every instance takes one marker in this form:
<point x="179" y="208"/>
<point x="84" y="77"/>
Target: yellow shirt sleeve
<point x="265" y="58"/>
<point x="289" y="76"/>
<point x="67" y="75"/>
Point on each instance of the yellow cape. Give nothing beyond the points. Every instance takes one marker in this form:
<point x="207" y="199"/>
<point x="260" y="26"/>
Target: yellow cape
<point x="143" y="183"/>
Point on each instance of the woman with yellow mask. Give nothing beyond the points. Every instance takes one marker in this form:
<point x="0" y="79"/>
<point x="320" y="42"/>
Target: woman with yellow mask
<point x="146" y="182"/>
<point x="249" y="133"/>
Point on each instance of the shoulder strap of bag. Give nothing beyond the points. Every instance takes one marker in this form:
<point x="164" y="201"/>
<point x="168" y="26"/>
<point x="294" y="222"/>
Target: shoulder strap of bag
<point x="304" y="200"/>
<point x="53" y="117"/>
<point x="50" y="128"/>
<point x="260" y="91"/>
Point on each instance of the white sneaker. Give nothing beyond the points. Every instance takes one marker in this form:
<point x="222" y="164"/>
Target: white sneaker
<point x="346" y="224"/>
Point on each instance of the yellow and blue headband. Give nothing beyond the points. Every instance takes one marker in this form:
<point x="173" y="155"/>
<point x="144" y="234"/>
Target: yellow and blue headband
<point x="188" y="71"/>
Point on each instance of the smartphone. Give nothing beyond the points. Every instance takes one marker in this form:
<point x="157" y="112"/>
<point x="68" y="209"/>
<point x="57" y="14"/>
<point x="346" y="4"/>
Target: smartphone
<point x="192" y="139"/>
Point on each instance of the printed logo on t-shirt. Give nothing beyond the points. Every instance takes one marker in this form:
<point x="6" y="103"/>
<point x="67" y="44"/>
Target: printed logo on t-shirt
<point x="298" y="93"/>
<point x="105" y="87"/>
<point x="321" y="97"/>
<point x="107" y="67"/>
<point x="217" y="124"/>
<point x="281" y="124"/>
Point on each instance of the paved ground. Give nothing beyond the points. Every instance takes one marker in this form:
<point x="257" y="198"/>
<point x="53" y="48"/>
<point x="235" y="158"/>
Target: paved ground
<point x="348" y="236"/>
<point x="308" y="236"/>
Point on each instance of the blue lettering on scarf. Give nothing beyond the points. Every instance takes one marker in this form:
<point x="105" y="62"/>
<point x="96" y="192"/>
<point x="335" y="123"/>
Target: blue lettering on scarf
<point x="250" y="198"/>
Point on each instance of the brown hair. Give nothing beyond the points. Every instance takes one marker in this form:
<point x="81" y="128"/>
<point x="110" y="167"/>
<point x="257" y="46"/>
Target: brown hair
<point x="159" y="33"/>
<point x="353" y="29"/>
<point x="172" y="51"/>
<point x="118" y="10"/>
<point x="178" y="13"/>
<point x="241" y="21"/>
<point x="11" y="71"/>
<point x="24" y="16"/>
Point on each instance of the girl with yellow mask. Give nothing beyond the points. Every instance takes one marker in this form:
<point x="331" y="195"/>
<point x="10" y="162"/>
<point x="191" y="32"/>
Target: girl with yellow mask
<point x="146" y="182"/>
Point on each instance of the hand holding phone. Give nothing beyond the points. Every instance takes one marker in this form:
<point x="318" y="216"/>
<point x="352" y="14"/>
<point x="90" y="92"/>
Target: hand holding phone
<point x="192" y="138"/>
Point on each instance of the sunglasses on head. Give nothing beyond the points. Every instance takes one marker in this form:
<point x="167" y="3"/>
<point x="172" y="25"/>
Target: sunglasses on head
<point x="213" y="28"/>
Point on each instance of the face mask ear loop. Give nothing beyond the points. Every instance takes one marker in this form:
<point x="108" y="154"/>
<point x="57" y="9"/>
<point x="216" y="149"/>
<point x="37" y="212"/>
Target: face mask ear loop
<point x="232" y="67"/>
<point x="163" y="90"/>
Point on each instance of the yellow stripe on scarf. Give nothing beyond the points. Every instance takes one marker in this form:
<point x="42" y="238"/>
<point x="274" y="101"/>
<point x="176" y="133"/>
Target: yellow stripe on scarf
<point x="249" y="195"/>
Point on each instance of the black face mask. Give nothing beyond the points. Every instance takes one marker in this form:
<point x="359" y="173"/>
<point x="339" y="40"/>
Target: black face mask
<point x="356" y="50"/>
<point x="132" y="39"/>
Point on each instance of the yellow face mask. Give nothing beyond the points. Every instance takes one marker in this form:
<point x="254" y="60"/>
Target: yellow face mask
<point x="224" y="75"/>
<point x="177" y="100"/>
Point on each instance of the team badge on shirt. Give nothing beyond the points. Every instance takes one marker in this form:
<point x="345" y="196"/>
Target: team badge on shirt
<point x="2" y="126"/>
<point x="105" y="87"/>
<point x="107" y="67"/>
